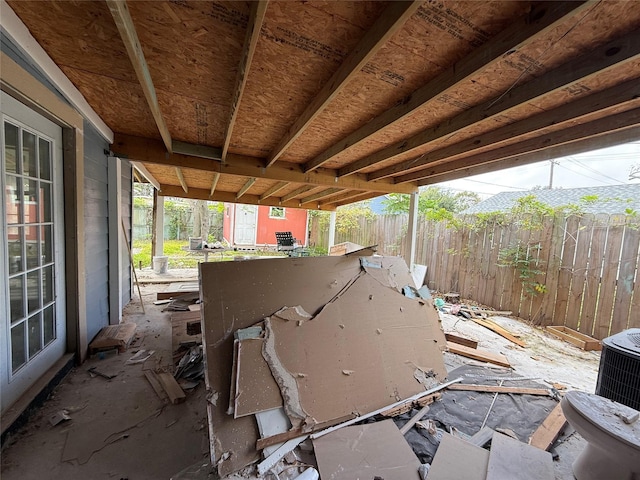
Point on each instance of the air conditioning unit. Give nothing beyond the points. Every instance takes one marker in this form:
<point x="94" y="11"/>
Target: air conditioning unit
<point x="619" y="373"/>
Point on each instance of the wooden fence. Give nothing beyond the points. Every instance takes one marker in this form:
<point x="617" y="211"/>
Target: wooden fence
<point x="581" y="272"/>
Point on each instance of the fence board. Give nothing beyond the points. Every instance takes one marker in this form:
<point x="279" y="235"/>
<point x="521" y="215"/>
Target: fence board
<point x="578" y="274"/>
<point x="593" y="276"/>
<point x="552" y="269"/>
<point x="609" y="275"/>
<point x="566" y="264"/>
<point x="627" y="272"/>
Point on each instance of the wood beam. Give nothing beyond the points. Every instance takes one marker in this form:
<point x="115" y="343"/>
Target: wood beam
<point x="245" y="187"/>
<point x="214" y="183"/>
<point x="194" y="150"/>
<point x="273" y="190"/>
<point x="229" y="197"/>
<point x="297" y="192"/>
<point x="355" y="199"/>
<point x="254" y="25"/>
<point x="620" y="121"/>
<point x="613" y="55"/>
<point x="323" y="194"/>
<point x="149" y="150"/>
<point x="391" y="20"/>
<point x="532" y="26"/>
<point x="181" y="179"/>
<point x="124" y="23"/>
<point x="626" y="95"/>
<point x="574" y="148"/>
<point x="142" y="170"/>
<point x="344" y="197"/>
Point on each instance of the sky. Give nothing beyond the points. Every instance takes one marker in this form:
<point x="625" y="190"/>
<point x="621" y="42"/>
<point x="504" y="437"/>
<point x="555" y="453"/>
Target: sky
<point x="609" y="166"/>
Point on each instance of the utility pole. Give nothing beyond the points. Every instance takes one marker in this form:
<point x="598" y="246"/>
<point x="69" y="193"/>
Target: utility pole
<point x="551" y="174"/>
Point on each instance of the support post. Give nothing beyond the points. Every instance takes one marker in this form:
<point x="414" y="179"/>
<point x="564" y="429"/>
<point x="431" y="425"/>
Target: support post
<point x="154" y="221"/>
<point x="159" y="224"/>
<point x="412" y="228"/>
<point x="332" y="230"/>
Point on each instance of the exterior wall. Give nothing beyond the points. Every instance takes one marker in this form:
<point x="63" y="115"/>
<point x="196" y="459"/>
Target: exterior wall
<point x="227" y="231"/>
<point x="294" y="221"/>
<point x="96" y="234"/>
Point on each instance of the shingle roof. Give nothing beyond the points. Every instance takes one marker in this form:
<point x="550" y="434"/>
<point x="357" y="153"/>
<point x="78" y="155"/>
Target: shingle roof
<point x="615" y="199"/>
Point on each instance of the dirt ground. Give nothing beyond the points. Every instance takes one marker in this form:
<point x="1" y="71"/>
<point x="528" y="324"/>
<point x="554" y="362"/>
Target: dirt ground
<point x="119" y="429"/>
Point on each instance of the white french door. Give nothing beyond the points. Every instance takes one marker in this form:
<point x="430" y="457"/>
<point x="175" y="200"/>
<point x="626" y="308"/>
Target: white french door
<point x="32" y="331"/>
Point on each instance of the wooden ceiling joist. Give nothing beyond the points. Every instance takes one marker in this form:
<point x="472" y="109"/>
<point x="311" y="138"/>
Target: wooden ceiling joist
<point x="320" y="195"/>
<point x="146" y="174"/>
<point x="542" y="18"/>
<point x="148" y="150"/>
<point x="230" y="197"/>
<point x="127" y="30"/>
<point x="343" y="197"/>
<point x="613" y="55"/>
<point x="353" y="199"/>
<point x="193" y="150"/>
<point x="254" y="24"/>
<point x="621" y="121"/>
<point x="391" y="20"/>
<point x="245" y="187"/>
<point x="296" y="193"/>
<point x="183" y="183"/>
<point x="214" y="183"/>
<point x="273" y="190"/>
<point x="626" y="95"/>
<point x="574" y="148"/>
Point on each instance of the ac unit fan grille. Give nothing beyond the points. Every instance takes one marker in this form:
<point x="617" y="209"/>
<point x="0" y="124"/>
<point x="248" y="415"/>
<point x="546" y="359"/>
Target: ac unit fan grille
<point x="619" y="377"/>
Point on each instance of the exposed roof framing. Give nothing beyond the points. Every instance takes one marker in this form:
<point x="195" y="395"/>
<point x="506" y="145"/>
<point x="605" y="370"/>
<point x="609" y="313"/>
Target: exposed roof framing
<point x="146" y="174"/>
<point x="320" y="104"/>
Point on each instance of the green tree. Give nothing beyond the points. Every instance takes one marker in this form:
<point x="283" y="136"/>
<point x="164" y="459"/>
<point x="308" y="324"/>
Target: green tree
<point x="435" y="203"/>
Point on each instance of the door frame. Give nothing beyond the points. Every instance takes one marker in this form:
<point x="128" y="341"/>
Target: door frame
<point x="255" y="224"/>
<point x="25" y="88"/>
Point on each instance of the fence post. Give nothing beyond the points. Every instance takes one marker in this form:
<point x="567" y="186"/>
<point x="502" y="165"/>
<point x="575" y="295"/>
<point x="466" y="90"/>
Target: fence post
<point x="411" y="229"/>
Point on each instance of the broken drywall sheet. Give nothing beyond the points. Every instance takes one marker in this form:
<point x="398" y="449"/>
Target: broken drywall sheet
<point x="238" y="295"/>
<point x="447" y="464"/>
<point x="358" y="354"/>
<point x="374" y="450"/>
<point x="532" y="463"/>
<point x="256" y="389"/>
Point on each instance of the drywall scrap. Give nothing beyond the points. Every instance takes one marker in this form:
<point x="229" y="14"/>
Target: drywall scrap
<point x="338" y="340"/>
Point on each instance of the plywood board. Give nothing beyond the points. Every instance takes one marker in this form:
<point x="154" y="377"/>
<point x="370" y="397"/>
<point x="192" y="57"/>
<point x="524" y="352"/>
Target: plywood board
<point x="113" y="336"/>
<point x="549" y="430"/>
<point x="510" y="458"/>
<point x="359" y="354"/>
<point x="176" y="289"/>
<point x="375" y="450"/>
<point x="458" y="459"/>
<point x="256" y="389"/>
<point x="230" y="302"/>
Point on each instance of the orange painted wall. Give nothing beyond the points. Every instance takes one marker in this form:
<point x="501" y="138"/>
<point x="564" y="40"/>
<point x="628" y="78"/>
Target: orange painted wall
<point x="295" y="221"/>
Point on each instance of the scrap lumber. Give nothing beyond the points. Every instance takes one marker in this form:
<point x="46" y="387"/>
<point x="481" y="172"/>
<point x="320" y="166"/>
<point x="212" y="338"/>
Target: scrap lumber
<point x="172" y="388"/>
<point x="408" y="406"/>
<point x="458" y="459"/>
<point x="263" y="443"/>
<point x="177" y="289"/>
<point x="585" y="342"/>
<point x="503" y="332"/>
<point x="500" y="389"/>
<point x="467" y="342"/>
<point x="113" y="336"/>
<point x="415" y="419"/>
<point x="549" y="430"/>
<point x="510" y="458"/>
<point x="154" y="381"/>
<point x="481" y="355"/>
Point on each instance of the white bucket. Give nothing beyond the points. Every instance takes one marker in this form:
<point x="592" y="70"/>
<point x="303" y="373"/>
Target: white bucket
<point x="160" y="264"/>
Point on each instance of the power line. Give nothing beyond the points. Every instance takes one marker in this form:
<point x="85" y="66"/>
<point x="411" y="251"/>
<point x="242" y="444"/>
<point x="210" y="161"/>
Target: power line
<point x="587" y="176"/>
<point x="578" y="162"/>
<point x="493" y="184"/>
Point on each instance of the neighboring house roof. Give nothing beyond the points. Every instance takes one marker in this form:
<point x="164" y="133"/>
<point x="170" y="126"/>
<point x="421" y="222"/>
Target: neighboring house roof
<point x="615" y="199"/>
<point x="377" y="204"/>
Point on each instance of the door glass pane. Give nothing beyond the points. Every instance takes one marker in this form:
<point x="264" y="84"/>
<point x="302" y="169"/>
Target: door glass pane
<point x="49" y="325"/>
<point x="18" y="357"/>
<point x="30" y="201"/>
<point x="14" y="243"/>
<point x="47" y="244"/>
<point x="16" y="294"/>
<point x="31" y="242"/>
<point x="13" y="199"/>
<point x="33" y="290"/>
<point x="47" y="285"/>
<point x="35" y="335"/>
<point x="45" y="159"/>
<point x="29" y="158"/>
<point x="10" y="148"/>
<point x="46" y="202"/>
